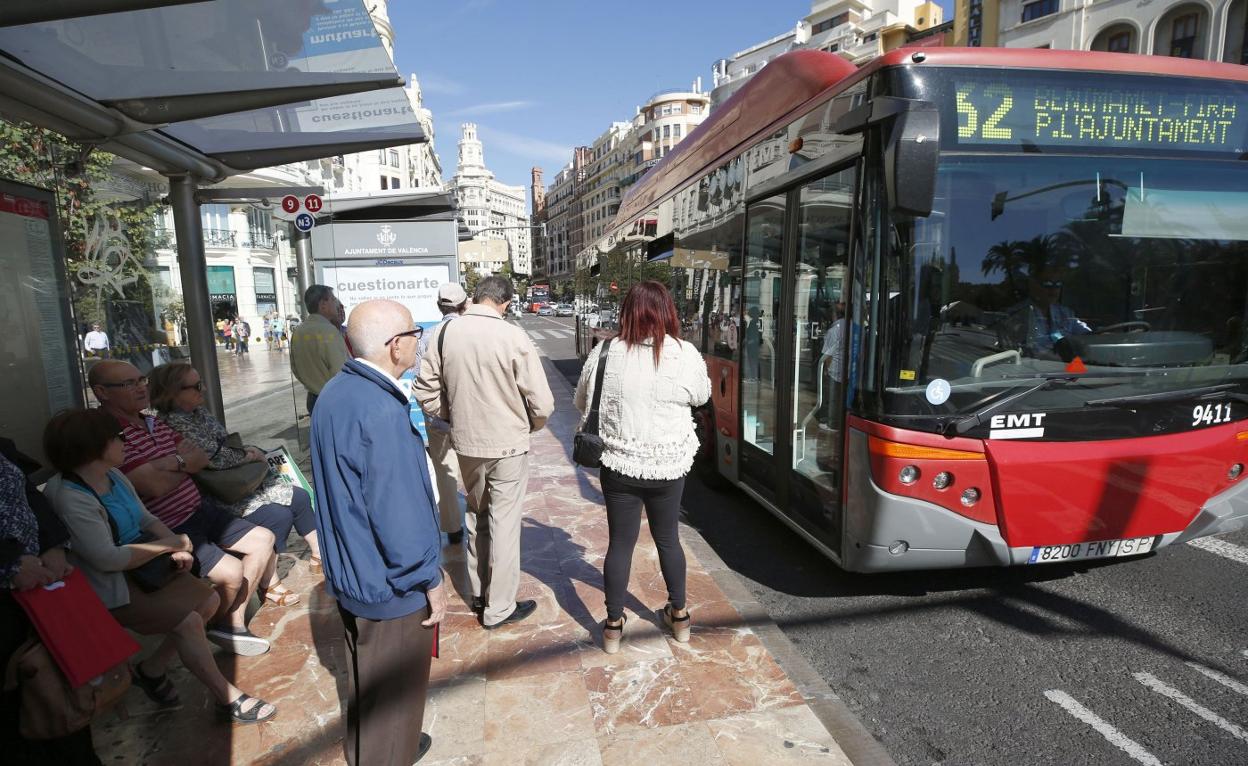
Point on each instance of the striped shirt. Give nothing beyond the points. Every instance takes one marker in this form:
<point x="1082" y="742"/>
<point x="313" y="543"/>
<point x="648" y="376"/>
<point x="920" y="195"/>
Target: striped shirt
<point x="154" y="441"/>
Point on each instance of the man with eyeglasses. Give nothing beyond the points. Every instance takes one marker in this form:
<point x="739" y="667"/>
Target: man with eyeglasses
<point x="380" y="540"/>
<point x="317" y="347"/>
<point x="159" y="462"/>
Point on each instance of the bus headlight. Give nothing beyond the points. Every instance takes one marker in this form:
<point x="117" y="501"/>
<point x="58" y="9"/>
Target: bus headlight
<point x="942" y="480"/>
<point x="909" y="474"/>
<point x="970" y="497"/>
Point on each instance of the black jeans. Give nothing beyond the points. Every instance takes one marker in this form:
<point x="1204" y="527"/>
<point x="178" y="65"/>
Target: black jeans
<point x="625" y="497"/>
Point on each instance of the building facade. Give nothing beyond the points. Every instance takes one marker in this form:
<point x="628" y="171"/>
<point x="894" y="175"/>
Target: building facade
<point x="490" y="208"/>
<point x="1216" y="30"/>
<point x="537" y="219"/>
<point x="858" y="30"/>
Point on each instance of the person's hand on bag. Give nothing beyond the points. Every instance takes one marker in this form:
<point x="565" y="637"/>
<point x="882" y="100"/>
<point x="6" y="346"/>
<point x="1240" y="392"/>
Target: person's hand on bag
<point x="437" y="605"/>
<point x="182" y="561"/>
<point x="31" y="573"/>
<point x="54" y="561"/>
<point x="254" y="455"/>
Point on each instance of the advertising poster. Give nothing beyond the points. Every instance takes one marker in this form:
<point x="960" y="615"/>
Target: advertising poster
<point x="415" y="286"/>
<point x="284" y="467"/>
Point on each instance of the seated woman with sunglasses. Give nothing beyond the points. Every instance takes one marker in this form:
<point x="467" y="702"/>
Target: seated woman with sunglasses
<point x="111" y="536"/>
<point x="177" y="394"/>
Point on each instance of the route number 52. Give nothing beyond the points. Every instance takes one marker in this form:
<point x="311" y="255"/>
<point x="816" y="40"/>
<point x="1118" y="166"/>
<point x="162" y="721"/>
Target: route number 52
<point x="970" y="122"/>
<point x="1209" y="414"/>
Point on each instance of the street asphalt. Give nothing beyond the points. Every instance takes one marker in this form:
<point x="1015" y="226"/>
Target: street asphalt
<point x="1136" y="661"/>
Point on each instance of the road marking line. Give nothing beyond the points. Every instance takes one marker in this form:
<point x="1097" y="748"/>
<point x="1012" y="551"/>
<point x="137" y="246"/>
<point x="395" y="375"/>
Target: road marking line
<point x="536" y="335"/>
<point x="1165" y="690"/>
<point x="1222" y="548"/>
<point x="1103" y="727"/>
<point x="1221" y="678"/>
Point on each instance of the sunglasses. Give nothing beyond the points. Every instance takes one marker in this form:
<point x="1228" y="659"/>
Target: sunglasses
<point x="198" y="386"/>
<point x="131" y="383"/>
<point x="413" y="333"/>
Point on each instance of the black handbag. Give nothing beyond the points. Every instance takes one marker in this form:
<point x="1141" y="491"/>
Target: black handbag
<point x="587" y="446"/>
<point x="150" y="576"/>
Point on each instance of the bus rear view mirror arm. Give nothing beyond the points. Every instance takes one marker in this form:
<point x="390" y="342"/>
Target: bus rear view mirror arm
<point x="911" y="150"/>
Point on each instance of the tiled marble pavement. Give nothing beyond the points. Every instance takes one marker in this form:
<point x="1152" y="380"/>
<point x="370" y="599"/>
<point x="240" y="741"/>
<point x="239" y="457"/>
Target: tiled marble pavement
<point x="538" y="692"/>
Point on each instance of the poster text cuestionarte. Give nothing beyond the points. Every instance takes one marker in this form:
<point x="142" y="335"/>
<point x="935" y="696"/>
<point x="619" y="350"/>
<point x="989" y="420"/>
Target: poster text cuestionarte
<point x="388" y="284"/>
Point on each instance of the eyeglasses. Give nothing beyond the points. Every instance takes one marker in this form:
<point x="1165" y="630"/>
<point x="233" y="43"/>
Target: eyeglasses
<point x="120" y="436"/>
<point x="415" y="332"/>
<point x="131" y="383"/>
<point x="1051" y="284"/>
<point x="198" y="386"/>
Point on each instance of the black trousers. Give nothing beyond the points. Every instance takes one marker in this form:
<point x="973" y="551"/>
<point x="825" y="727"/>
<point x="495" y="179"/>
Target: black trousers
<point x="389" y="664"/>
<point x="626" y="496"/>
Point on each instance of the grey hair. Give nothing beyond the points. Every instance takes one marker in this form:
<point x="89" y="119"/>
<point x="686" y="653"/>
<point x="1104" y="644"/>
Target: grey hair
<point x="495" y="289"/>
<point x="313" y="296"/>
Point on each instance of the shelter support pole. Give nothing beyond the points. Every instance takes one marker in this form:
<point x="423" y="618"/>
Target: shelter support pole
<point x="304" y="276"/>
<point x="194" y="271"/>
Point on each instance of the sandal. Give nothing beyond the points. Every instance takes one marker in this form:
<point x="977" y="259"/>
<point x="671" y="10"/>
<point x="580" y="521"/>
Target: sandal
<point x="314" y="565"/>
<point x="679" y="625"/>
<point x="612" y="635"/>
<point x="159" y="689"/>
<point x="234" y="713"/>
<point x="283" y="597"/>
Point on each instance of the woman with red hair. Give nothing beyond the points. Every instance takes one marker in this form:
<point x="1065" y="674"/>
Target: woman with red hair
<point x="651" y="380"/>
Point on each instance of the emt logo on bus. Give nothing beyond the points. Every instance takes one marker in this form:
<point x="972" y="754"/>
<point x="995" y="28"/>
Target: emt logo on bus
<point x="1024" y="425"/>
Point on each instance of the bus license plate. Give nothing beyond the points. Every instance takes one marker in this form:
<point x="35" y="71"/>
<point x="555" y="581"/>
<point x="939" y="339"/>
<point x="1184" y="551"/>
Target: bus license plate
<point x="1048" y="554"/>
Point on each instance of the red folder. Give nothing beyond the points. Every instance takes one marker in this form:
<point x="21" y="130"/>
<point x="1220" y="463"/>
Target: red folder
<point x="78" y="631"/>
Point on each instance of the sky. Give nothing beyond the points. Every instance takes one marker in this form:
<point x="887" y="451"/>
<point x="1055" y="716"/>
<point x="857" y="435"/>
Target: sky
<point x="539" y="77"/>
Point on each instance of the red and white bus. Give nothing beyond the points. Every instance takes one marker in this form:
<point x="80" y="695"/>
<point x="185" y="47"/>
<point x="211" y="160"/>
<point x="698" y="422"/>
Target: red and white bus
<point x="968" y="307"/>
<point x="538" y="296"/>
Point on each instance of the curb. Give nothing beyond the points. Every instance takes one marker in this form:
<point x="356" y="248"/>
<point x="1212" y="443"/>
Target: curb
<point x="854" y="739"/>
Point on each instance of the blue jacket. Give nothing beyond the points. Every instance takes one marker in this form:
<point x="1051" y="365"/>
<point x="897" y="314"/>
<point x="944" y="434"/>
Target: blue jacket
<point x="381" y="543"/>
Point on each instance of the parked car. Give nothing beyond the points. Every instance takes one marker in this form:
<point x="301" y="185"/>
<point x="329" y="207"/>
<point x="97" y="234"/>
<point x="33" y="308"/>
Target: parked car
<point x="546" y="310"/>
<point x="564" y="310"/>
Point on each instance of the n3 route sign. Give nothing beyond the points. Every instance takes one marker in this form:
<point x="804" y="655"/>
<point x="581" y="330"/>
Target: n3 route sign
<point x="304" y="222"/>
<point x="311" y="203"/>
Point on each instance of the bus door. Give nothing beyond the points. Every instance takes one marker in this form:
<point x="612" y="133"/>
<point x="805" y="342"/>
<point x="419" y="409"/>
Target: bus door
<point x="793" y="350"/>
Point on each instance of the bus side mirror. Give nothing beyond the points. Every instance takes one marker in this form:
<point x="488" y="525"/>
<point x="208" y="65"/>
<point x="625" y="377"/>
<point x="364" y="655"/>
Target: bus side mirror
<point x="910" y="158"/>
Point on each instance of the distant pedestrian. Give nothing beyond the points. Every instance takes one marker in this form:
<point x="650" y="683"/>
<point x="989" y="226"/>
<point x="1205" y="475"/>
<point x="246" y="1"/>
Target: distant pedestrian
<point x="95" y="343"/>
<point x="652" y="379"/>
<point x="227" y="330"/>
<point x="279" y="331"/>
<point x="381" y="542"/>
<point x="491" y="388"/>
<point x="452" y="302"/>
<point x="317" y="347"/>
<point x="242" y="336"/>
<point x="268" y="331"/>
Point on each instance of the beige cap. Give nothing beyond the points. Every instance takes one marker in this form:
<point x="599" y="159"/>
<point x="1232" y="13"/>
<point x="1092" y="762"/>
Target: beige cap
<point x="451" y="294"/>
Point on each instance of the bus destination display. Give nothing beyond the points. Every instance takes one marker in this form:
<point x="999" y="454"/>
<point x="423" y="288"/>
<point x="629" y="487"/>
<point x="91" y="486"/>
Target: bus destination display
<point x="1110" y="116"/>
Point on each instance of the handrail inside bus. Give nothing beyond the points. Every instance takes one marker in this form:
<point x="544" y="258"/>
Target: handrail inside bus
<point x="977" y="367"/>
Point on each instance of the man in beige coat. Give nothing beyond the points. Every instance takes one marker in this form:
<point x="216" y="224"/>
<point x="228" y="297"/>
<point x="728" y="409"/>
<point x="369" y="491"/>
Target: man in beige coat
<point x="484" y="376"/>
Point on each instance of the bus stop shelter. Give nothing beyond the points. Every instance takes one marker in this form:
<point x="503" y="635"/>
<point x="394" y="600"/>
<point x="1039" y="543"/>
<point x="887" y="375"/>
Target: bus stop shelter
<point x="200" y="91"/>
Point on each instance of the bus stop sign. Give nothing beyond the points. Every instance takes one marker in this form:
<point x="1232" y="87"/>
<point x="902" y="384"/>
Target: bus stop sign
<point x="290" y="203"/>
<point x="313" y="203"/>
<point x="304" y="222"/>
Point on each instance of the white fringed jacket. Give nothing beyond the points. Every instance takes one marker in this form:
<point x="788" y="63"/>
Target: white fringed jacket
<point x="644" y="417"/>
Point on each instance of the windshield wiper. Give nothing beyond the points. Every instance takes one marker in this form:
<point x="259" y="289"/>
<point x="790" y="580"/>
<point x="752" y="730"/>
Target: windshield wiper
<point x="960" y="424"/>
<point x="1221" y="391"/>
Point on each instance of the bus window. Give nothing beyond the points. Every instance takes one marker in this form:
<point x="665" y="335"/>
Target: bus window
<point x="763" y="258"/>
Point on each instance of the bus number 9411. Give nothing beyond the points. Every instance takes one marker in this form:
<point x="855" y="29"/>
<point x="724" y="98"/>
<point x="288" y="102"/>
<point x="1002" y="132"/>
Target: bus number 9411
<point x="1209" y="414"/>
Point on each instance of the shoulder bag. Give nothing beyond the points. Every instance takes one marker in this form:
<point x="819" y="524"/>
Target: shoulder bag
<point x="232" y="485"/>
<point x="587" y="446"/>
<point x="151" y="575"/>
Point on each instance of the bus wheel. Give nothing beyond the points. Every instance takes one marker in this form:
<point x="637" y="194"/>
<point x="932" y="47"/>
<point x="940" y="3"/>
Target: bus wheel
<point x="705" y="464"/>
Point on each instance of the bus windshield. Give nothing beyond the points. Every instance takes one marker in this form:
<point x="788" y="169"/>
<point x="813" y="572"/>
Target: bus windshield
<point x="1121" y="276"/>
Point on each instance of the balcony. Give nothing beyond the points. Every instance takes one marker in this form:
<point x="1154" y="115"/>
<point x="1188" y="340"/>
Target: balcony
<point x="261" y="240"/>
<point x="220" y="238"/>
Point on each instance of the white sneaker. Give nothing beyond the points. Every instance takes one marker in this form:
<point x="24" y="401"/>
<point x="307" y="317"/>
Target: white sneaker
<point x="245" y="644"/>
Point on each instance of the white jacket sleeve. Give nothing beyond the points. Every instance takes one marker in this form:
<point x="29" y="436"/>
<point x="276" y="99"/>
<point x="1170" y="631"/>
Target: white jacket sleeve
<point x="693" y="375"/>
